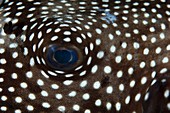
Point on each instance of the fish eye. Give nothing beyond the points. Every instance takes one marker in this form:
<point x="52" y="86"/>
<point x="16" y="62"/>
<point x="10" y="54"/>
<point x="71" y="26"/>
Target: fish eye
<point x="62" y="58"/>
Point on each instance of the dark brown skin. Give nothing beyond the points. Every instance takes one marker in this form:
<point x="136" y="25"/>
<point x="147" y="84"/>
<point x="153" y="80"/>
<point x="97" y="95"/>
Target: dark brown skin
<point x="128" y="42"/>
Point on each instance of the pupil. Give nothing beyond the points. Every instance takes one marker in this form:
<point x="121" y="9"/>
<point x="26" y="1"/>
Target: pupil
<point x="62" y="56"/>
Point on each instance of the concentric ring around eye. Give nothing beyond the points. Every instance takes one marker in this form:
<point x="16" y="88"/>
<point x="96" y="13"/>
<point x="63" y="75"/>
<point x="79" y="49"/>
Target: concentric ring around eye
<point x="63" y="58"/>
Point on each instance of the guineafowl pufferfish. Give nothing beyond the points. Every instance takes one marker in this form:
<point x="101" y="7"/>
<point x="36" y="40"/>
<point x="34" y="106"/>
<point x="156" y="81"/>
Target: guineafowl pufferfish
<point x="85" y="56"/>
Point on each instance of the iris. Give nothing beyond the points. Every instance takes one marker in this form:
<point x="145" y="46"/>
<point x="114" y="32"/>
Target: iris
<point x="62" y="58"/>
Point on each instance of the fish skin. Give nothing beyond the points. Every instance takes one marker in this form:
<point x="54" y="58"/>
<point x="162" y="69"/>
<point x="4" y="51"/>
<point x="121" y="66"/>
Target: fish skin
<point x="156" y="103"/>
<point x="131" y="52"/>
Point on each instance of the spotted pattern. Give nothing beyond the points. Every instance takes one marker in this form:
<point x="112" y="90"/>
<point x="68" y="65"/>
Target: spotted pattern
<point x="122" y="46"/>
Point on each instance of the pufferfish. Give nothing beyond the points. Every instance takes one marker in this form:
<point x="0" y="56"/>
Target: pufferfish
<point x="85" y="56"/>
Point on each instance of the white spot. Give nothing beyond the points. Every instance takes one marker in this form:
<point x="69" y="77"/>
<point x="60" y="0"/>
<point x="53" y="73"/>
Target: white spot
<point x="137" y="97"/>
<point x="163" y="70"/>
<point x="25" y="51"/>
<point x="153" y="74"/>
<point x="15" y="55"/>
<point x="165" y="60"/>
<point x="49" y="30"/>
<point x="72" y="93"/>
<point x="118" y="32"/>
<point x="67" y="82"/>
<point x="118" y="106"/>
<point x="109" y="90"/>
<point x="121" y="87"/>
<point x="119" y="74"/>
<point x="23" y="85"/>
<point x="107" y="69"/>
<point x="18" y="99"/>
<point x="167" y="93"/>
<point x="168" y="47"/>
<point x="168" y="106"/>
<point x="98" y="102"/>
<point x="129" y="57"/>
<point x="146" y="96"/>
<point x="130" y="71"/>
<point x="163" y="26"/>
<point x="79" y="40"/>
<point x="67" y="39"/>
<point x="86" y="96"/>
<point x="31" y="96"/>
<point x="144" y="37"/>
<point x="124" y="45"/>
<point x="3" y="61"/>
<point x="143" y="80"/>
<point x="3" y="108"/>
<point x="2" y="41"/>
<point x="153" y="63"/>
<point x="59" y="96"/>
<point x="127" y="100"/>
<point x="1" y="80"/>
<point x="44" y="93"/>
<point x="76" y="107"/>
<point x="100" y="54"/>
<point x="13" y="45"/>
<point x="96" y="85"/>
<point x="83" y="83"/>
<point x="152" y="29"/>
<point x="4" y="98"/>
<point x="136" y="31"/>
<point x="29" y="74"/>
<point x="108" y="106"/>
<point x="98" y="41"/>
<point x="40" y="34"/>
<point x="136" y="45"/>
<point x="46" y="105"/>
<point x="146" y="51"/>
<point x="158" y="50"/>
<point x="30" y="108"/>
<point x="87" y="111"/>
<point x="54" y="38"/>
<point x="128" y="35"/>
<point x="67" y="33"/>
<point x="2" y="50"/>
<point x="14" y="76"/>
<point x="40" y="43"/>
<point x="12" y="89"/>
<point x="62" y="108"/>
<point x="118" y="59"/>
<point x="18" y="111"/>
<point x="132" y="83"/>
<point x="40" y="82"/>
<point x="2" y="71"/>
<point x="54" y="86"/>
<point x="31" y="37"/>
<point x="94" y="69"/>
<point x="32" y="63"/>
<point x="98" y="31"/>
<point x="89" y="60"/>
<point x="83" y="73"/>
<point x="19" y="65"/>
<point x="111" y="37"/>
<point x="153" y="39"/>
<point x="112" y="49"/>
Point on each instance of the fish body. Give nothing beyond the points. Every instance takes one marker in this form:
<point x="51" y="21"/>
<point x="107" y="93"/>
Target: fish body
<point x="85" y="56"/>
